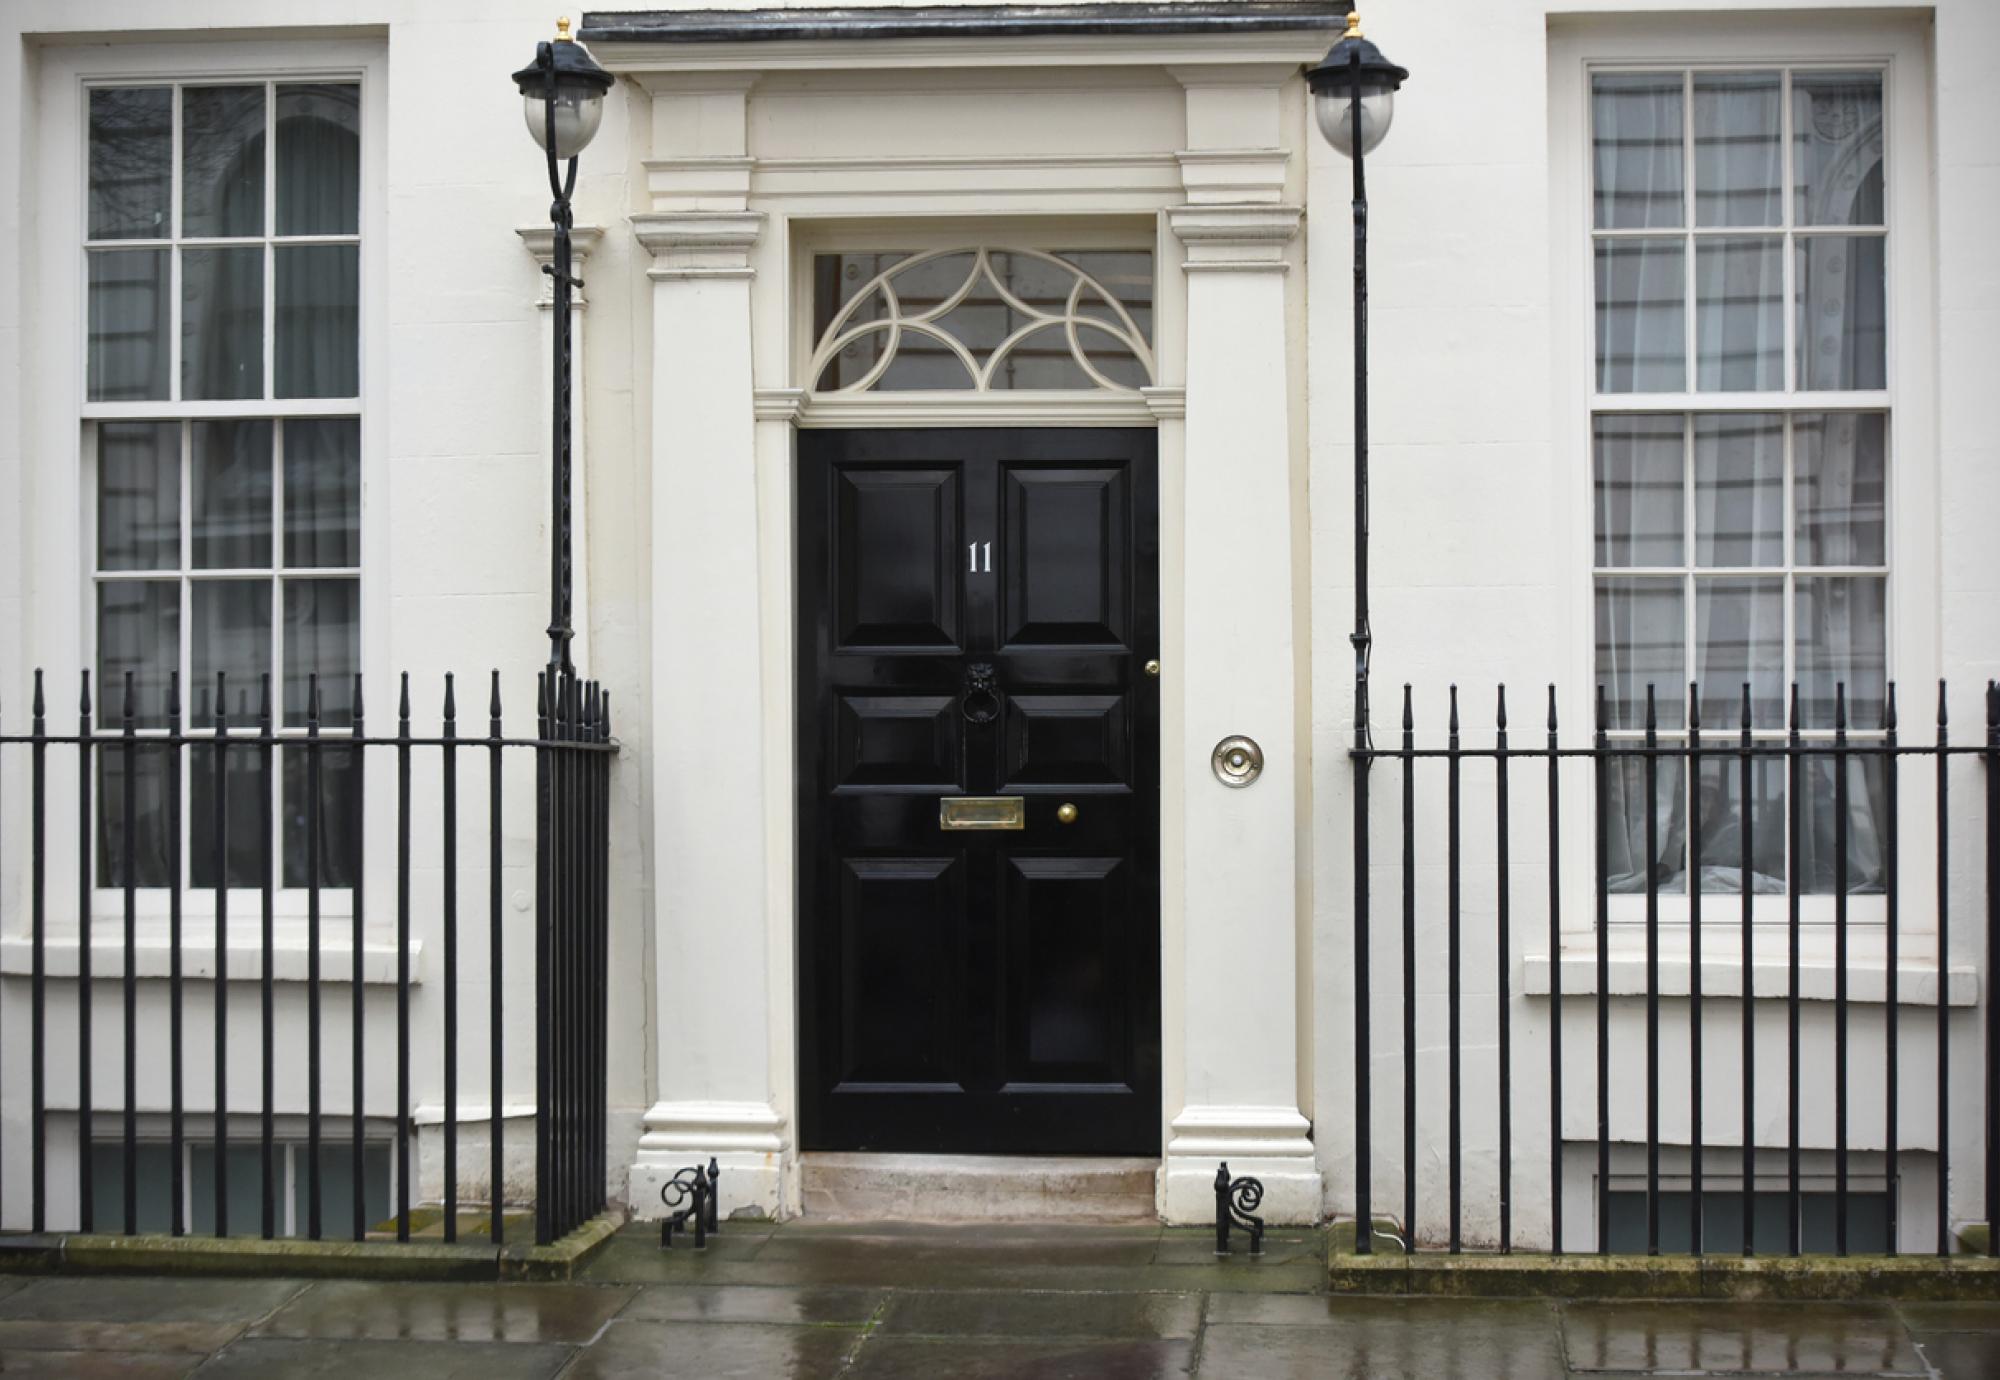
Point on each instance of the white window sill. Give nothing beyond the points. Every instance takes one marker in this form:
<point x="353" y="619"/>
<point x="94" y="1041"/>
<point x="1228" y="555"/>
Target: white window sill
<point x="246" y="959"/>
<point x="1867" y="979"/>
<point x="470" y="1113"/>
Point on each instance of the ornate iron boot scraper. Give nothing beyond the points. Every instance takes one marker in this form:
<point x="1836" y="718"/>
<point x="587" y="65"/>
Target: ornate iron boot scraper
<point x="690" y="1197"/>
<point x="1236" y="1201"/>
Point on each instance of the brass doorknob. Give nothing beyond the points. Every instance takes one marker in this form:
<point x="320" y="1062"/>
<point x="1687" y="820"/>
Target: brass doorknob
<point x="1065" y="813"/>
<point x="1153" y="668"/>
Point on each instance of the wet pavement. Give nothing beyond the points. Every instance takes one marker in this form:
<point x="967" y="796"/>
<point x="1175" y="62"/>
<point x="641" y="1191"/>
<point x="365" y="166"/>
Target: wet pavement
<point x="1095" y="1303"/>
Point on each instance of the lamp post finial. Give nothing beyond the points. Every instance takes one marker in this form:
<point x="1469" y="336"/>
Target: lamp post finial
<point x="1353" y="24"/>
<point x="562" y="29"/>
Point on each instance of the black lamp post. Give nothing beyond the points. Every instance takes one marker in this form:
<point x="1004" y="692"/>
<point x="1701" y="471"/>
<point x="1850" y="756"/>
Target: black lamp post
<point x="1354" y="98"/>
<point x="562" y="93"/>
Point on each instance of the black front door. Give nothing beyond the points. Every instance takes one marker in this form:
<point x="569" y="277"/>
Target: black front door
<point x="976" y="612"/>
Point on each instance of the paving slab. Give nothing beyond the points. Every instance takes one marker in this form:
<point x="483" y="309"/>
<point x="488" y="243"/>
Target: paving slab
<point x="97" y="1365"/>
<point x="1962" y="1355"/>
<point x="1162" y="1317"/>
<point x="1286" y="1335"/>
<point x="1392" y="1347"/>
<point x="88" y="1299"/>
<point x="753" y="1303"/>
<point x="714" y="1351"/>
<point x="1950" y="1317"/>
<point x="926" y="1358"/>
<point x="258" y="1358"/>
<point x="637" y="1258"/>
<point x="449" y="1312"/>
<point x="1199" y="1249"/>
<point x="136" y="1315"/>
<point x="962" y="1249"/>
<point x="1744" y="1338"/>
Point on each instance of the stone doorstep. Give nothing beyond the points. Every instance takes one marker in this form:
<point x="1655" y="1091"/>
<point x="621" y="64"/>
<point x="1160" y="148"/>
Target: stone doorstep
<point x="973" y="1189"/>
<point x="433" y="1260"/>
<point x="1387" y="1270"/>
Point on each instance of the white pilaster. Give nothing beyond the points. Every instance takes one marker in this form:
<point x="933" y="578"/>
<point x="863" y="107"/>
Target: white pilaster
<point x="713" y="1017"/>
<point x="1241" y="942"/>
<point x="540" y="242"/>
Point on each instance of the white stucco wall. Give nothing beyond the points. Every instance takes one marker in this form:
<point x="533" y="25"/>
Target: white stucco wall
<point x="1479" y="565"/>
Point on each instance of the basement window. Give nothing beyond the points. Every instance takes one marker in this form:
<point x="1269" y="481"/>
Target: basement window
<point x="154" y="1164"/>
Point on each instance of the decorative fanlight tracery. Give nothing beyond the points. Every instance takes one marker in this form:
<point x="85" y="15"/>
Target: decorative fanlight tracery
<point x="985" y="319"/>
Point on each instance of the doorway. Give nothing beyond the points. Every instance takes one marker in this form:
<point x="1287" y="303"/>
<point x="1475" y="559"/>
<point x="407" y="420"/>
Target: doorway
<point x="978" y="790"/>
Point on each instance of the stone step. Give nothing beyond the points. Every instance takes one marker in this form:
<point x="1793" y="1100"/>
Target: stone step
<point x="976" y="1188"/>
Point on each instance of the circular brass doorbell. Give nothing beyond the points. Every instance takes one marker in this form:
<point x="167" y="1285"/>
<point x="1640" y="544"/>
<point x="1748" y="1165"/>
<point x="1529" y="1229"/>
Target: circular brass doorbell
<point x="1065" y="813"/>
<point x="1237" y="761"/>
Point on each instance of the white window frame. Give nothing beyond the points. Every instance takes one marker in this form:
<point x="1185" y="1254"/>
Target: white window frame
<point x="61" y="621"/>
<point x="1899" y="48"/>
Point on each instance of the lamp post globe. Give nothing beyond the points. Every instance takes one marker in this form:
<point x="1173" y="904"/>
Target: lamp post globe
<point x="1353" y="68"/>
<point x="562" y="94"/>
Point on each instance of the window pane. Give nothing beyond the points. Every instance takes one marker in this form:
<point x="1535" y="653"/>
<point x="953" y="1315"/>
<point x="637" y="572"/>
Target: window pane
<point x="318" y="321"/>
<point x="244" y="807"/>
<point x="153" y="1184"/>
<point x="1819" y="817"/>
<point x="232" y="636"/>
<point x="1839" y="491"/>
<point x="129" y="316"/>
<point x="149" y="857"/>
<point x="1641" y="641"/>
<point x="1722" y="814"/>
<point x="319" y="159"/>
<point x="1740" y="636"/>
<point x="1738" y="148"/>
<point x="246" y="1189"/>
<point x="222" y="160"/>
<point x="1842" y="312"/>
<point x="222" y="323"/>
<point x="323" y="492"/>
<point x="138" y="495"/>
<point x="1640" y="490"/>
<point x="336" y="1191"/>
<point x="1629" y="853"/>
<point x="1641" y="316"/>
<point x="323" y="637"/>
<point x="131" y="162"/>
<point x="1837" y="147"/>
<point x="232" y="494"/>
<point x="1739" y="489"/>
<point x="138" y="630"/>
<point x="1636" y="136"/>
<point x="338" y="821"/>
<point x="1740" y="314"/>
<point x="1842" y="630"/>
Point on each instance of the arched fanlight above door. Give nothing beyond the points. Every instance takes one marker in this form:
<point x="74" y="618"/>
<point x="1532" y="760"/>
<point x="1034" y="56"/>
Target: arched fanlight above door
<point x="982" y="319"/>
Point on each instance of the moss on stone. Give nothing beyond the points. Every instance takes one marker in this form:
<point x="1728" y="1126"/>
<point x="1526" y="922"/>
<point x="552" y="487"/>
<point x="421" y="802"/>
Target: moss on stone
<point x="1528" y="1275"/>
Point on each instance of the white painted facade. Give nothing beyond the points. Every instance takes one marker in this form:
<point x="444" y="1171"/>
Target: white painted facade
<point x="719" y="168"/>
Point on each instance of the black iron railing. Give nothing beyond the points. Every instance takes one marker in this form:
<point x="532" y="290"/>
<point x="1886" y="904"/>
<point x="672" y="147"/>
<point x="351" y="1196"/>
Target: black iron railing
<point x="1649" y="786"/>
<point x="316" y="772"/>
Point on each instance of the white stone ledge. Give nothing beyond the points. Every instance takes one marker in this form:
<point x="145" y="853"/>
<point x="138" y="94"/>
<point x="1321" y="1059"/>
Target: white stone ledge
<point x="154" y="955"/>
<point x="1867" y="979"/>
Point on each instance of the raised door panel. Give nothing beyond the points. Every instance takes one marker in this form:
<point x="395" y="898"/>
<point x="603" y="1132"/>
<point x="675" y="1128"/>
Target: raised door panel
<point x="891" y="741"/>
<point x="1069" y="951"/>
<point x="895" y="558"/>
<point x="1067" y="740"/>
<point x="1065" y="552"/>
<point x="902" y="928"/>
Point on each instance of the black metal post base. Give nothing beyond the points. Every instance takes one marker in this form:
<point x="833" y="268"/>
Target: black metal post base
<point x="690" y="1197"/>
<point x="1236" y="1201"/>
